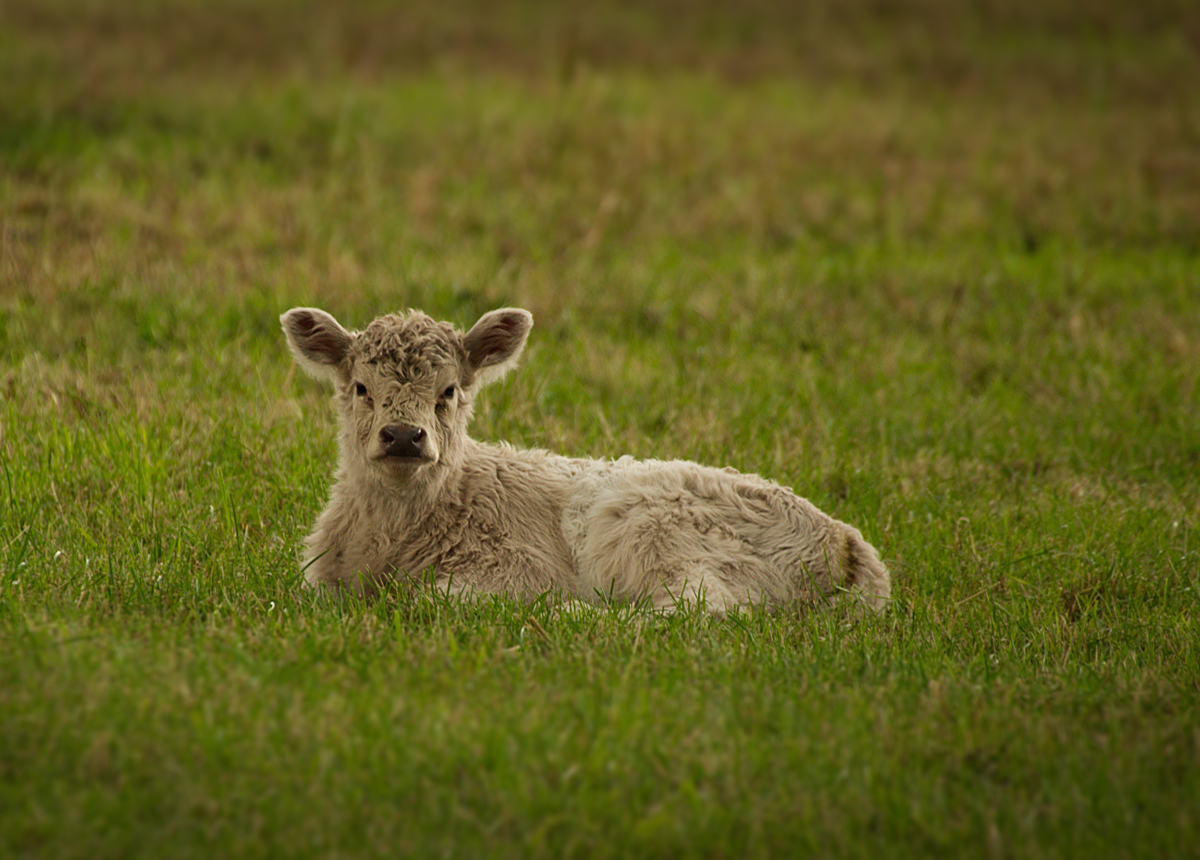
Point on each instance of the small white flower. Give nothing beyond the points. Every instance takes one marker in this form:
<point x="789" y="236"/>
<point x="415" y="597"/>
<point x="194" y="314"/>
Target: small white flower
<point x="272" y="606"/>
<point x="59" y="554"/>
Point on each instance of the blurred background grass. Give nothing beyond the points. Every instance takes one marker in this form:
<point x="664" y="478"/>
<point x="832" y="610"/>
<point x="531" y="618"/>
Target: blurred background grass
<point x="549" y="129"/>
<point x="1104" y="51"/>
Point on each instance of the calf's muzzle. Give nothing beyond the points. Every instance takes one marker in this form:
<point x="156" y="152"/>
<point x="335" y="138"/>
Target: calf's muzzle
<point x="401" y="440"/>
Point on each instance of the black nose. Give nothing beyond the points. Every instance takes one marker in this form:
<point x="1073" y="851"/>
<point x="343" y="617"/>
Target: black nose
<point x="400" y="440"/>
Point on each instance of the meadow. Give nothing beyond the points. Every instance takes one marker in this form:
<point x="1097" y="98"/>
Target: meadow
<point x="936" y="266"/>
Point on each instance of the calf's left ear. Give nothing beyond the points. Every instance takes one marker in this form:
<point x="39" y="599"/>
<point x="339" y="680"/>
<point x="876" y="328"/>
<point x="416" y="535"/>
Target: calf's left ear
<point x="318" y="343"/>
<point x="495" y="342"/>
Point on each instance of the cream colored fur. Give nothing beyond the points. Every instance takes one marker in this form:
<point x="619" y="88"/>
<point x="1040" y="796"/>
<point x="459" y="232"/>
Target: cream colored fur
<point x="414" y="493"/>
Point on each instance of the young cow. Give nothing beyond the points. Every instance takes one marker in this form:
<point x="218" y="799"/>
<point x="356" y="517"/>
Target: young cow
<point x="415" y="493"/>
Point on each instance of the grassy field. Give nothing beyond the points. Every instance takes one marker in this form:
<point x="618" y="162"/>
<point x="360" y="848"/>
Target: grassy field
<point x="936" y="266"/>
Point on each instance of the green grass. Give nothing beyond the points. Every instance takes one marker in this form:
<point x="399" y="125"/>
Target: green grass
<point x="935" y="267"/>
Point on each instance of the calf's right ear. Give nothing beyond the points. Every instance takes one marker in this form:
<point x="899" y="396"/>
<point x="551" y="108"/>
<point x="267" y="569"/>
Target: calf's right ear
<point x="318" y="343"/>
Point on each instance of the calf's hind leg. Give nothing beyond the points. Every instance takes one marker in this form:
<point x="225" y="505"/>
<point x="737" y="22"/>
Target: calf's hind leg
<point x="667" y="547"/>
<point x="692" y="585"/>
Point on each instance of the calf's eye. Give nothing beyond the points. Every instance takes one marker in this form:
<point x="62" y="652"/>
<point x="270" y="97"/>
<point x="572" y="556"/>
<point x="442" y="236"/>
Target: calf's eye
<point x="448" y="393"/>
<point x="360" y="389"/>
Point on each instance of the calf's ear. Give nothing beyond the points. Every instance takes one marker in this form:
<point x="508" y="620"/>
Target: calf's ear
<point x="320" y="346"/>
<point x="495" y="342"/>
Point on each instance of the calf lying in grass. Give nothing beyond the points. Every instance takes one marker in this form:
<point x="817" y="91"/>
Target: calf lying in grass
<point x="414" y="492"/>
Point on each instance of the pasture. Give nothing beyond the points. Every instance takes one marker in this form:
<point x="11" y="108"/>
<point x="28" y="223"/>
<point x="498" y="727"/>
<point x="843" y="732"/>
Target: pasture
<point x="936" y="267"/>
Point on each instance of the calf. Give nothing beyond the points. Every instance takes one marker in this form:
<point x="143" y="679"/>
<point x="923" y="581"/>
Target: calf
<point x="414" y="492"/>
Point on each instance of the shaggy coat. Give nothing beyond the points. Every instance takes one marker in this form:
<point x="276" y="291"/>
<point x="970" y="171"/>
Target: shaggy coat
<point x="414" y="493"/>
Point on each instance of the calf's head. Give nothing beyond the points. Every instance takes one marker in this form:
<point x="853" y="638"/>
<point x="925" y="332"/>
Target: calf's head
<point x="405" y="385"/>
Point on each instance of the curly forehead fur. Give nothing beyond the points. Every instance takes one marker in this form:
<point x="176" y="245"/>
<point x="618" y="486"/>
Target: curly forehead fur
<point x="411" y="341"/>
